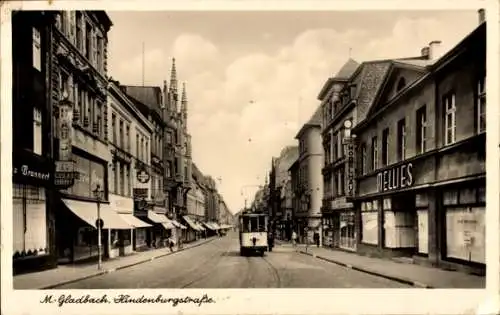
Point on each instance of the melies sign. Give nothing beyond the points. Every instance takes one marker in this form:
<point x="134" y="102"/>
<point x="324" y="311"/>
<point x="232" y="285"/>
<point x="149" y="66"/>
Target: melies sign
<point x="395" y="178"/>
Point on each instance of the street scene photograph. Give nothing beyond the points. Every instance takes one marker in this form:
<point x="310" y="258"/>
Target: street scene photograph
<point x="248" y="149"/>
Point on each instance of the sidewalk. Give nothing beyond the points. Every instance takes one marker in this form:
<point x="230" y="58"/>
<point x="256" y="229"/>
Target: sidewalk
<point x="65" y="274"/>
<point x="412" y="274"/>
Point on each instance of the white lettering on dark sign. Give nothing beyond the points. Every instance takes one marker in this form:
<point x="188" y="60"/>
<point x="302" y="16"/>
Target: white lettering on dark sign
<point x="350" y="169"/>
<point x="25" y="171"/>
<point x="395" y="178"/>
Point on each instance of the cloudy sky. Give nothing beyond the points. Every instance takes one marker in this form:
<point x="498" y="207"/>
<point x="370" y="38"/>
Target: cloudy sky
<point x="253" y="77"/>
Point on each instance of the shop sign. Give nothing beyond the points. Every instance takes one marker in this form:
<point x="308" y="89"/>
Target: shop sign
<point x="65" y="129"/>
<point x="350" y="168"/>
<point x="395" y="178"/>
<point x="31" y="167"/>
<point x="64" y="175"/>
<point x="121" y="155"/>
<point x="140" y="193"/>
<point x="143" y="176"/>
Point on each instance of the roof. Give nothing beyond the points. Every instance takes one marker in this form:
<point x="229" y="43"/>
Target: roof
<point x="314" y="121"/>
<point x="148" y="95"/>
<point x="347" y="69"/>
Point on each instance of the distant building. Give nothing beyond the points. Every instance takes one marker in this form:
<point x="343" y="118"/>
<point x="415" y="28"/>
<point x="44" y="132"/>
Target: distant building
<point x="310" y="180"/>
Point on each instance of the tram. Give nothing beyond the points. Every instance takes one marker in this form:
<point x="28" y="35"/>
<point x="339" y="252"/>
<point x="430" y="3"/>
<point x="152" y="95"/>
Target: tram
<point x="253" y="233"/>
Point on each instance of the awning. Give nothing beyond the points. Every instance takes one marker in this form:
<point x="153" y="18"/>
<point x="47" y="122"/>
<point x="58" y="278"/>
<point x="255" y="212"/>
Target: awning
<point x="157" y="218"/>
<point x="157" y="209"/>
<point x="87" y="211"/>
<point x="133" y="221"/>
<point x="209" y="226"/>
<point x="200" y="227"/>
<point x="168" y="225"/>
<point x="191" y="223"/>
<point x="179" y="225"/>
<point x="215" y="225"/>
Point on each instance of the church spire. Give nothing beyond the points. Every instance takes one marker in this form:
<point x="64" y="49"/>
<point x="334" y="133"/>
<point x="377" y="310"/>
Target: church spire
<point x="184" y="104"/>
<point x="173" y="85"/>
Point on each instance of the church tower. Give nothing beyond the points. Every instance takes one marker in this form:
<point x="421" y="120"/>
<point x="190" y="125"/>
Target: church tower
<point x="184" y="106"/>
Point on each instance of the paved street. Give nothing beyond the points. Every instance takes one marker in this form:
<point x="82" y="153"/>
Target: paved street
<point x="219" y="265"/>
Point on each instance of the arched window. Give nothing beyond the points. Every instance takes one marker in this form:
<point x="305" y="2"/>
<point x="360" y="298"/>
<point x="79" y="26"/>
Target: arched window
<point x="401" y="84"/>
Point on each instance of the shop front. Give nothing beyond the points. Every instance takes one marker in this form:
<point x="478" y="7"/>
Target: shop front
<point x="32" y="213"/>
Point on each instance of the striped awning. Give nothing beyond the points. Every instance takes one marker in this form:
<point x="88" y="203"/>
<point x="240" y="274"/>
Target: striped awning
<point x="209" y="226"/>
<point x="168" y="225"/>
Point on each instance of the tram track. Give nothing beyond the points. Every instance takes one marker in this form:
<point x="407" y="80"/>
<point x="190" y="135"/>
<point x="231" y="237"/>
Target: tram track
<point x="218" y="256"/>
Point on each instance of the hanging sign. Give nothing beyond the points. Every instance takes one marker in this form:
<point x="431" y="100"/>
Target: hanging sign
<point x="143" y="176"/>
<point x="65" y="128"/>
<point x="350" y="168"/>
<point x="64" y="175"/>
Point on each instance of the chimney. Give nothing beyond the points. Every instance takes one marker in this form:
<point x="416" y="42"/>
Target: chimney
<point x="435" y="50"/>
<point x="425" y="52"/>
<point x="481" y="15"/>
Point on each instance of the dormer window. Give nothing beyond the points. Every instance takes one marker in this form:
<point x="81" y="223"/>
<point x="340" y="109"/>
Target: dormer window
<point x="401" y="84"/>
<point x="352" y="91"/>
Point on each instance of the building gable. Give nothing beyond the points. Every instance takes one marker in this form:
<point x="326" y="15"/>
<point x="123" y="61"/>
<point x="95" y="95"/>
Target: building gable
<point x="398" y="79"/>
<point x="372" y="78"/>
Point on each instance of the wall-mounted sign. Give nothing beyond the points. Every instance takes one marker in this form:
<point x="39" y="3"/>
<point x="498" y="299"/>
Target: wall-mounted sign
<point x="350" y="168"/>
<point x="27" y="166"/>
<point x="65" y="129"/>
<point x="121" y="155"/>
<point x="64" y="175"/>
<point x="395" y="178"/>
<point x="140" y="193"/>
<point x="143" y="176"/>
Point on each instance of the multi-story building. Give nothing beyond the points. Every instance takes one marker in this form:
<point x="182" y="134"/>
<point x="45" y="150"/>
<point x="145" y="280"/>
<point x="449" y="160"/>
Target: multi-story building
<point x="287" y="209"/>
<point x="310" y="180"/>
<point x="149" y="101"/>
<point x="421" y="186"/>
<point x="196" y="202"/>
<point x="79" y="95"/>
<point x="337" y="210"/>
<point x="33" y="230"/>
<point x="128" y="129"/>
<point x="296" y="188"/>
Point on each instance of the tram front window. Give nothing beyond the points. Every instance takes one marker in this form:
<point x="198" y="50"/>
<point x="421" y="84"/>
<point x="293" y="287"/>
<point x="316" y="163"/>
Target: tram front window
<point x="254" y="224"/>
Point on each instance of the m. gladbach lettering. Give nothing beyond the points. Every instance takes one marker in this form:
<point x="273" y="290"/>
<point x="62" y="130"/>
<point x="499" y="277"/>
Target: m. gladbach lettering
<point x="395" y="178"/>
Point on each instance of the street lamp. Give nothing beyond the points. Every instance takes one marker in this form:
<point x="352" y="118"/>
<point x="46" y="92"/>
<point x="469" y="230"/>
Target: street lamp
<point x="99" y="223"/>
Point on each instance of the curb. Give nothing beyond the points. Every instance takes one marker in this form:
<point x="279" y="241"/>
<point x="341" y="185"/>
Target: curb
<point x="103" y="272"/>
<point x="373" y="273"/>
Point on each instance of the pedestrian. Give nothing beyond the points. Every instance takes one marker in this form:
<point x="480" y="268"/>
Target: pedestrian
<point x="294" y="239"/>
<point x="171" y="244"/>
<point x="270" y="240"/>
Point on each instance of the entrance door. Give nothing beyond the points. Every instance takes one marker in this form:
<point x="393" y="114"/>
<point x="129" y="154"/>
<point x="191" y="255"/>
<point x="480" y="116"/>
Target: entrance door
<point x="423" y="231"/>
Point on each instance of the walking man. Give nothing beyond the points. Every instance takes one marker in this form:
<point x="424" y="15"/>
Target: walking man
<point x="294" y="239"/>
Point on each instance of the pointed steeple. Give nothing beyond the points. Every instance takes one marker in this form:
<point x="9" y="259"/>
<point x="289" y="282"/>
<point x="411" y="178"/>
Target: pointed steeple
<point x="184" y="105"/>
<point x="173" y="87"/>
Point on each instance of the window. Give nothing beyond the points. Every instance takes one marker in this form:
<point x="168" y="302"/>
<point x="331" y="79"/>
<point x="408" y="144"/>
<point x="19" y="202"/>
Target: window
<point x="99" y="53"/>
<point x="374" y="153"/>
<point x="385" y="147"/>
<point x="37" y="131"/>
<point x="401" y="139"/>
<point x="169" y="138"/>
<point x="141" y="152"/>
<point x="127" y="138"/>
<point x="421" y="129"/>
<point x="137" y="144"/>
<point x="113" y="127"/>
<point x="127" y="175"/>
<point x="37" y="52"/>
<point x="116" y="167"/>
<point x="121" y="134"/>
<point x="340" y="148"/>
<point x="168" y="169"/>
<point x="146" y="151"/>
<point x="335" y="147"/>
<point x="401" y="84"/>
<point x="98" y="121"/>
<point x="88" y="40"/>
<point x="81" y="103"/>
<point x="450" y="118"/>
<point x="341" y="182"/>
<point x="364" y="169"/>
<point x="79" y="33"/>
<point x="481" y="105"/>
<point x="122" y="180"/>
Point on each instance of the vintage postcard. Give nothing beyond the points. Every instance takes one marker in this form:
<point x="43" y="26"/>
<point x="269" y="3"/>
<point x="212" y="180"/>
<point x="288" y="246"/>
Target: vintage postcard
<point x="244" y="157"/>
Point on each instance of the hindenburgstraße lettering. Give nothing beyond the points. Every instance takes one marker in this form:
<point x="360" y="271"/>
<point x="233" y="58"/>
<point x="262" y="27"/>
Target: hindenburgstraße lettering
<point x="395" y="178"/>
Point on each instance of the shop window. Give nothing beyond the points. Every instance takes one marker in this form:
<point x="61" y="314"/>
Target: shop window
<point x="387" y="203"/>
<point x="89" y="174"/>
<point x="369" y="224"/>
<point x="421" y="200"/>
<point x="450" y="118"/>
<point x="481" y="105"/>
<point x="467" y="196"/>
<point x="37" y="52"/>
<point x="465" y="233"/>
<point x="481" y="194"/>
<point x="115" y="240"/>
<point x="86" y="236"/>
<point x="450" y="197"/>
<point x="421" y="129"/>
<point x="29" y="221"/>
